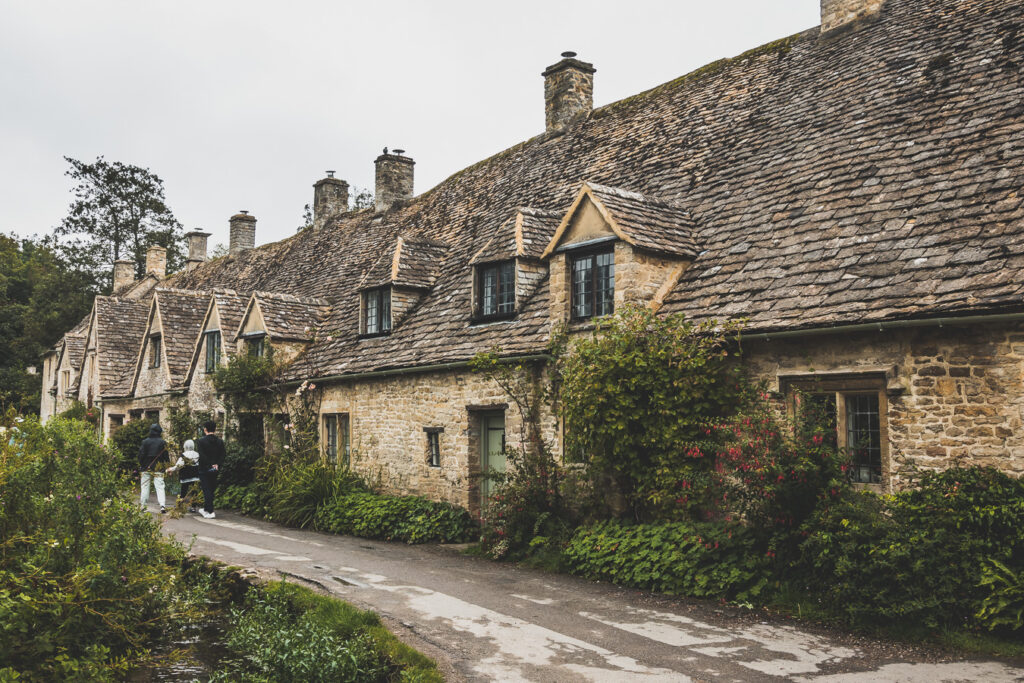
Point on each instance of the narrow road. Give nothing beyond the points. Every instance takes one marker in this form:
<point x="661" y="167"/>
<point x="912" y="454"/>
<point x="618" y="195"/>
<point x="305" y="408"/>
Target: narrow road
<point x="485" y="621"/>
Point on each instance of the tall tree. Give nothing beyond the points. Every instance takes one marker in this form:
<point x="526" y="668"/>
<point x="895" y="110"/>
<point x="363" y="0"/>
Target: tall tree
<point x="42" y="296"/>
<point x="118" y="211"/>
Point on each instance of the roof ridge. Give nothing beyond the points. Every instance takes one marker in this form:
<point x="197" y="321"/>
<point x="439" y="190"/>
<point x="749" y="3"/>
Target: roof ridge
<point x="623" y="193"/>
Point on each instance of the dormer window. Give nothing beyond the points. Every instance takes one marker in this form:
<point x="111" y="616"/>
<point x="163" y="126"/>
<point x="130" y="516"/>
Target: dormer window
<point x="257" y="346"/>
<point x="593" y="283"/>
<point x="212" y="351"/>
<point x="377" y="311"/>
<point x="154" y="350"/>
<point x="496" y="289"/>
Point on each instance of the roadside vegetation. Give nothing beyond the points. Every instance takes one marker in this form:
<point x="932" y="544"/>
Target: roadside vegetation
<point x="90" y="589"/>
<point x="684" y="476"/>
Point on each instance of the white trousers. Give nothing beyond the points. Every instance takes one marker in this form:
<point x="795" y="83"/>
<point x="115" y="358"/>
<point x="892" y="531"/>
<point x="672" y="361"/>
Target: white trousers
<point x="158" y="483"/>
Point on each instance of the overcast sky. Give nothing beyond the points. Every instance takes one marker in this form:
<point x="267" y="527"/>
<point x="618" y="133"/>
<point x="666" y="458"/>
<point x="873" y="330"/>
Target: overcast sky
<point x="244" y="105"/>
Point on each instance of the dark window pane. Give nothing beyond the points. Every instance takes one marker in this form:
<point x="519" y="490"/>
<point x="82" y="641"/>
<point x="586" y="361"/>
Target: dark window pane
<point x="434" y="446"/>
<point x="489" y="290"/>
<point x="372" y="314"/>
<point x="506" y="288"/>
<point x="212" y="351"/>
<point x="331" y="437"/>
<point x="864" y="437"/>
<point x="605" y="288"/>
<point x="582" y="287"/>
<point x="385" y="309"/>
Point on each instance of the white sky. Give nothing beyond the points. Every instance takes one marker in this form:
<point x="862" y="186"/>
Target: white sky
<point x="244" y="105"/>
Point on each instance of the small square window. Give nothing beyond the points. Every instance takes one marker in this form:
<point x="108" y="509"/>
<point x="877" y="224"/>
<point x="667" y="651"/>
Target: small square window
<point x="593" y="284"/>
<point x="496" y="290"/>
<point x="377" y="311"/>
<point x="257" y="346"/>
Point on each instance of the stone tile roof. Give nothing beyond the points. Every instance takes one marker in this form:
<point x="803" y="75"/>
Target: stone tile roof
<point x="410" y="262"/>
<point x="120" y="326"/>
<point x="289" y="317"/>
<point x="230" y="308"/>
<point x="525" y="234"/>
<point x="646" y="222"/>
<point x="869" y="174"/>
<point x="181" y="315"/>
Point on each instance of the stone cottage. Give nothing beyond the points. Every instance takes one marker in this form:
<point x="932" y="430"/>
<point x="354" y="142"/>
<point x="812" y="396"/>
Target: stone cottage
<point x="853" y="192"/>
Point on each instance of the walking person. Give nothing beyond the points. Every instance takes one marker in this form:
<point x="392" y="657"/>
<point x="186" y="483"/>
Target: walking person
<point x="153" y="460"/>
<point x="211" y="455"/>
<point x="188" y="468"/>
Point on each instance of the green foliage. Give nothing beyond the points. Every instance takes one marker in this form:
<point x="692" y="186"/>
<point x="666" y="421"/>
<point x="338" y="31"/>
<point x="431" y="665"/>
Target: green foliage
<point x="638" y="397"/>
<point x="288" y="633"/>
<point x="184" y="424"/>
<point x="916" y="557"/>
<point x="125" y="442"/>
<point x="535" y="506"/>
<point x="1003" y="606"/>
<point x="395" y="518"/>
<point x="245" y="382"/>
<point x="251" y="499"/>
<point x="701" y="559"/>
<point x="42" y="294"/>
<point x="118" y="211"/>
<point x="85" y="578"/>
<point x="297" y="490"/>
<point x="240" y="460"/>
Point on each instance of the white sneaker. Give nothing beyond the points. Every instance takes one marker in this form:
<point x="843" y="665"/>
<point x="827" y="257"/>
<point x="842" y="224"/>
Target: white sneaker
<point x="208" y="515"/>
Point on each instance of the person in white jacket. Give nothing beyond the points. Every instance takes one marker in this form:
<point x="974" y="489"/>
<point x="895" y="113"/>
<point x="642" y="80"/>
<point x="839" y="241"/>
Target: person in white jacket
<point x="188" y="464"/>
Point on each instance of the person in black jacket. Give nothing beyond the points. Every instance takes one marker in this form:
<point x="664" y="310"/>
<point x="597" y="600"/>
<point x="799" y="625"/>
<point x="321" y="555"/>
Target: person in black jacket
<point x="211" y="455"/>
<point x="153" y="460"/>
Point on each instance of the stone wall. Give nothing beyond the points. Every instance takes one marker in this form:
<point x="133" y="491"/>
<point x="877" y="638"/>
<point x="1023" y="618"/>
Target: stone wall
<point x="403" y="300"/>
<point x="152" y="380"/>
<point x="639" y="276"/>
<point x="953" y="394"/>
<point x="387" y="417"/>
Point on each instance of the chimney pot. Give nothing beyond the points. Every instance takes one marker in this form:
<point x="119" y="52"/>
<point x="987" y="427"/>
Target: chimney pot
<point x="124" y="274"/>
<point x="196" y="248"/>
<point x="394" y="179"/>
<point x="838" y="13"/>
<point x="330" y="198"/>
<point x="156" y="261"/>
<point x="568" y="92"/>
<point x="242" y="233"/>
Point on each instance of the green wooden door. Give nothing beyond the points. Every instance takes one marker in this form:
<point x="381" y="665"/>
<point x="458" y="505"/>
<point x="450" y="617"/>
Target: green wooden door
<point x="492" y="440"/>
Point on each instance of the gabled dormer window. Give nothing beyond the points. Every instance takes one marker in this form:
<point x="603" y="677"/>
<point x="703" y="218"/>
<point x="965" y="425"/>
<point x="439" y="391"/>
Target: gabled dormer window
<point x="377" y="311"/>
<point x="496" y="290"/>
<point x="154" y="350"/>
<point x="593" y="283"/>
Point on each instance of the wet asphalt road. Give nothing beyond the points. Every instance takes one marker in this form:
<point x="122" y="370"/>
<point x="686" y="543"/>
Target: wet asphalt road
<point x="484" y="621"/>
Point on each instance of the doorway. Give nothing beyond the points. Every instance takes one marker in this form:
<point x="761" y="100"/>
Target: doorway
<point x="492" y="449"/>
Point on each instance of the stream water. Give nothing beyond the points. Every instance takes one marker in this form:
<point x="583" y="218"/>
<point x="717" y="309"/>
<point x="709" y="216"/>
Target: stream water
<point x="192" y="654"/>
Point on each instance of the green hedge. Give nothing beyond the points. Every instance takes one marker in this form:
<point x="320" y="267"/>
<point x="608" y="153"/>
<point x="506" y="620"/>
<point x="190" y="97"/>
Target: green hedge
<point x="918" y="557"/>
<point x="681" y="558"/>
<point x="392" y="518"/>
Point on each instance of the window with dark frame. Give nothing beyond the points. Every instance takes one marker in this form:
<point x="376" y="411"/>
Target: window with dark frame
<point x="377" y="311"/>
<point x="336" y="438"/>
<point x="593" y="284"/>
<point x="257" y="346"/>
<point x="496" y="289"/>
<point x="154" y="350"/>
<point x="433" y="445"/>
<point x="212" y="351"/>
<point x="852" y="418"/>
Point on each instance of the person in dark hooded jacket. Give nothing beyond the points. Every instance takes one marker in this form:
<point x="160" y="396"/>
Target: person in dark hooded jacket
<point x="153" y="461"/>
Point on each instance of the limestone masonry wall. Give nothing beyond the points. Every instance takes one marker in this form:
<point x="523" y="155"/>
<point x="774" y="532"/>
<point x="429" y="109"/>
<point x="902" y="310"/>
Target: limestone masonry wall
<point x="953" y="393"/>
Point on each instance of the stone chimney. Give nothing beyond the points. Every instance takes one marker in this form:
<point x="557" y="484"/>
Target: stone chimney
<point x="243" y="233"/>
<point x="156" y="261"/>
<point x="838" y="13"/>
<point x="393" y="179"/>
<point x="196" y="248"/>
<point x="124" y="274"/>
<point x="568" y="92"/>
<point x="330" y="198"/>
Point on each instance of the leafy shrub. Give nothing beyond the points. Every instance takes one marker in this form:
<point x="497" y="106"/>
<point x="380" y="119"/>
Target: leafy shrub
<point x="915" y="557"/>
<point x="297" y="489"/>
<point x="287" y="633"/>
<point x="85" y="577"/>
<point x="395" y="518"/>
<point x="1003" y="607"/>
<point x="240" y="460"/>
<point x="701" y="559"/>
<point x="125" y="441"/>
<point x="249" y="500"/>
<point x="638" y="397"/>
<point x="534" y="508"/>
